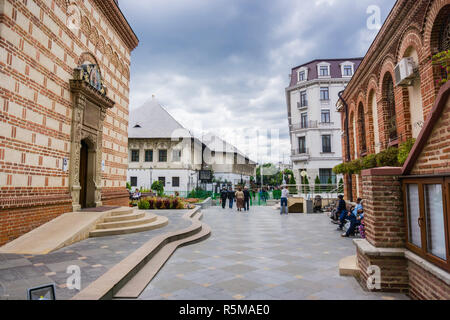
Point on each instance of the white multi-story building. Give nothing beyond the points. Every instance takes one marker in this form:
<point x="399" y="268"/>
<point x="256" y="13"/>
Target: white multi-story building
<point x="160" y="148"/>
<point x="314" y="124"/>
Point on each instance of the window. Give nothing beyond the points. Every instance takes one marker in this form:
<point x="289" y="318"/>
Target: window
<point x="324" y="94"/>
<point x="303" y="100"/>
<point x="348" y="71"/>
<point x="304" y="120"/>
<point x="325" y="117"/>
<point x="427" y="218"/>
<point x="162" y="180"/>
<point x="175" y="181"/>
<point x="323" y="71"/>
<point x="148" y="155"/>
<point x="302" y="145"/>
<point x="162" y="156"/>
<point x="301" y="76"/>
<point x="134" y="155"/>
<point x="176" y="155"/>
<point x="326" y="176"/>
<point x="326" y="143"/>
<point x="133" y="181"/>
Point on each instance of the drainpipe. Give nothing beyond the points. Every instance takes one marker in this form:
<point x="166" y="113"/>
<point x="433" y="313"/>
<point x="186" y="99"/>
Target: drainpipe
<point x="347" y="134"/>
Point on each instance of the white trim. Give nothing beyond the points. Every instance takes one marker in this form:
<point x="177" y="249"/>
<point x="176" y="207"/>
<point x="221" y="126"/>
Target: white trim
<point x="346" y="64"/>
<point x="305" y="70"/>
<point x="323" y="64"/>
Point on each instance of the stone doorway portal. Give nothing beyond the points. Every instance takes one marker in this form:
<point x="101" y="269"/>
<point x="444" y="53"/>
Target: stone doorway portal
<point x="90" y="103"/>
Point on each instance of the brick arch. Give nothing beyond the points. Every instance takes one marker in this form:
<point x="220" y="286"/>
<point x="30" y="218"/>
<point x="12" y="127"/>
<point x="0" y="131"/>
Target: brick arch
<point x="351" y="116"/>
<point x="361" y="129"/>
<point x="388" y="65"/>
<point x="433" y="11"/>
<point x="388" y="110"/>
<point x="410" y="38"/>
<point x="370" y="128"/>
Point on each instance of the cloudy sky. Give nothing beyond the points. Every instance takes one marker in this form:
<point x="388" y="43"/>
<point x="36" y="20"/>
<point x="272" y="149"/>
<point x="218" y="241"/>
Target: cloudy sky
<point x="223" y="65"/>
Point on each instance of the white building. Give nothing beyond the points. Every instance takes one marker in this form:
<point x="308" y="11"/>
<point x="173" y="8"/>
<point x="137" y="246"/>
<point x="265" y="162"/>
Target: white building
<point x="314" y="123"/>
<point x="161" y="149"/>
<point x="227" y="162"/>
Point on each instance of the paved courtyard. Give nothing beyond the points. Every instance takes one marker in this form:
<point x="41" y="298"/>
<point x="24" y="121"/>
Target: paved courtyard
<point x="261" y="255"/>
<point x="94" y="256"/>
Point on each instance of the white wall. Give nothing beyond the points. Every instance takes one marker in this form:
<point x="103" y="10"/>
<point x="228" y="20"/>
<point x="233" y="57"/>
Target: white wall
<point x="145" y="177"/>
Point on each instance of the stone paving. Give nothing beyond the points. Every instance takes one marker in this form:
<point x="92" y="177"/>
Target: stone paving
<point x="261" y="255"/>
<point x="94" y="256"/>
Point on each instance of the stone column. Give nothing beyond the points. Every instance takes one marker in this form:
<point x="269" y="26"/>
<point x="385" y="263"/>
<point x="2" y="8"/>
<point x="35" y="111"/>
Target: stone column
<point x="384" y="246"/>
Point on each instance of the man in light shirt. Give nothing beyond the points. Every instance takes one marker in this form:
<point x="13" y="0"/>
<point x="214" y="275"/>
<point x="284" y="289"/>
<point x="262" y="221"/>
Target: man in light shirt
<point x="283" y="201"/>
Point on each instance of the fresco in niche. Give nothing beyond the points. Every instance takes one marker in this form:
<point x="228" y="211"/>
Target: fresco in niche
<point x="91" y="74"/>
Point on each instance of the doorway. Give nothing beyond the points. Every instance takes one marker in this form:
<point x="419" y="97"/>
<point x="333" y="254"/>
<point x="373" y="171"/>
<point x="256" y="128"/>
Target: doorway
<point x="83" y="173"/>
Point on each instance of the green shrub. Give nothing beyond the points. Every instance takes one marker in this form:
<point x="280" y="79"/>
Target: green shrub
<point x="143" y="205"/>
<point x="329" y="186"/>
<point x="158" y="187"/>
<point x="404" y="150"/>
<point x="292" y="189"/>
<point x="369" y="161"/>
<point x="388" y="158"/>
<point x="341" y="186"/>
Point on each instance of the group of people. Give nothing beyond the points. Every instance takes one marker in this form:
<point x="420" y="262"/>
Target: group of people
<point x="241" y="196"/>
<point x="355" y="216"/>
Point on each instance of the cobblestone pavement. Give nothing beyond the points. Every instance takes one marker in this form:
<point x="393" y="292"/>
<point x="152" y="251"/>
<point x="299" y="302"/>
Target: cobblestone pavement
<point x="261" y="255"/>
<point x="94" y="256"/>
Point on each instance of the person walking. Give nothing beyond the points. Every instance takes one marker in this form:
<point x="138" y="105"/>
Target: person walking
<point x="239" y="199"/>
<point x="246" y="199"/>
<point x="223" y="197"/>
<point x="284" y="200"/>
<point x="230" y="195"/>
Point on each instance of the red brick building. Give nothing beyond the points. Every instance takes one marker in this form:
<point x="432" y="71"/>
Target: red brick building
<point x="407" y="210"/>
<point x="64" y="94"/>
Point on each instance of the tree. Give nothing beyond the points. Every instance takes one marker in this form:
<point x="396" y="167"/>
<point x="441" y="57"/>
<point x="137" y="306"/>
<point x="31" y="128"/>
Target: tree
<point x="158" y="187"/>
<point x="341" y="186"/>
<point x="292" y="189"/>
<point x="306" y="188"/>
<point x="317" y="185"/>
<point x="329" y="182"/>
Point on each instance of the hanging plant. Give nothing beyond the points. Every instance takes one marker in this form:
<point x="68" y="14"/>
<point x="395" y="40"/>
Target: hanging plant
<point x="442" y="59"/>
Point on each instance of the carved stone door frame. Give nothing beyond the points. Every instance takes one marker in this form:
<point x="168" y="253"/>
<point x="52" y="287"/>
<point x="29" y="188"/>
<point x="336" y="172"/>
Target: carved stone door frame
<point x="89" y="112"/>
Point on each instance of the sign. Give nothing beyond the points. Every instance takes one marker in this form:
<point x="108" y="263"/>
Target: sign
<point x="65" y="164"/>
<point x="103" y="165"/>
<point x="205" y="175"/>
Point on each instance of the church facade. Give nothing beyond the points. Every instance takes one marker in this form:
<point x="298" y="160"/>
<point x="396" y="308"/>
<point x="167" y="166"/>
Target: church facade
<point x="64" y="95"/>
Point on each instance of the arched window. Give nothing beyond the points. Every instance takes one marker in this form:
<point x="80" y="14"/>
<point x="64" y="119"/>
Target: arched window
<point x="362" y="129"/>
<point x="440" y="40"/>
<point x="444" y="34"/>
<point x="389" y="105"/>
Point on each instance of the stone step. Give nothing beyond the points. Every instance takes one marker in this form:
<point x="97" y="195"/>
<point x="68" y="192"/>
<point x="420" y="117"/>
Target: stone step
<point x="134" y="287"/>
<point x="147" y="218"/>
<point x="122" y="211"/>
<point x="158" y="223"/>
<point x="133" y="216"/>
<point x="348" y="266"/>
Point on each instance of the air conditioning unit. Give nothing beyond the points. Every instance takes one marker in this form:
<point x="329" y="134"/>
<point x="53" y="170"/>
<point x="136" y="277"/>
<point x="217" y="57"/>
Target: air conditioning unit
<point x="405" y="72"/>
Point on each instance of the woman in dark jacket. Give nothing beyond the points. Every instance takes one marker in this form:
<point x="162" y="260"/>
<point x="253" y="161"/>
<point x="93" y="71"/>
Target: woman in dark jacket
<point x="223" y="197"/>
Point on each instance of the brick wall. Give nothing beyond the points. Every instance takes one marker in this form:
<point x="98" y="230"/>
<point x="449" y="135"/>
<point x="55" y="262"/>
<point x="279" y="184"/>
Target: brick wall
<point x="425" y="286"/>
<point x="411" y="24"/>
<point x="383" y="207"/>
<point x="435" y="156"/>
<point x="394" y="272"/>
<point x="38" y="52"/>
<point x="18" y="221"/>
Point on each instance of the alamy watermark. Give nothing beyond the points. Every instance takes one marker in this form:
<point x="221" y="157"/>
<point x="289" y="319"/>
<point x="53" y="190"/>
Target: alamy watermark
<point x="374" y="280"/>
<point x="73" y="282"/>
<point x="374" y="19"/>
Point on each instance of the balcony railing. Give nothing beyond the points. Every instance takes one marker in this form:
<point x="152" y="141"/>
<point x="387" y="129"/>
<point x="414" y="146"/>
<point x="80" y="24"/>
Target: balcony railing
<point x="301" y="151"/>
<point x="302" y="104"/>
<point x="304" y="125"/>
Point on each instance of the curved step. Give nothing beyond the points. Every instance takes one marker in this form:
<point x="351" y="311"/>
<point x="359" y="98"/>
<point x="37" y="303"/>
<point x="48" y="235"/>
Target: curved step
<point x="122" y="211"/>
<point x="134" y="287"/>
<point x="158" y="223"/>
<point x="125" y="217"/>
<point x="147" y="218"/>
